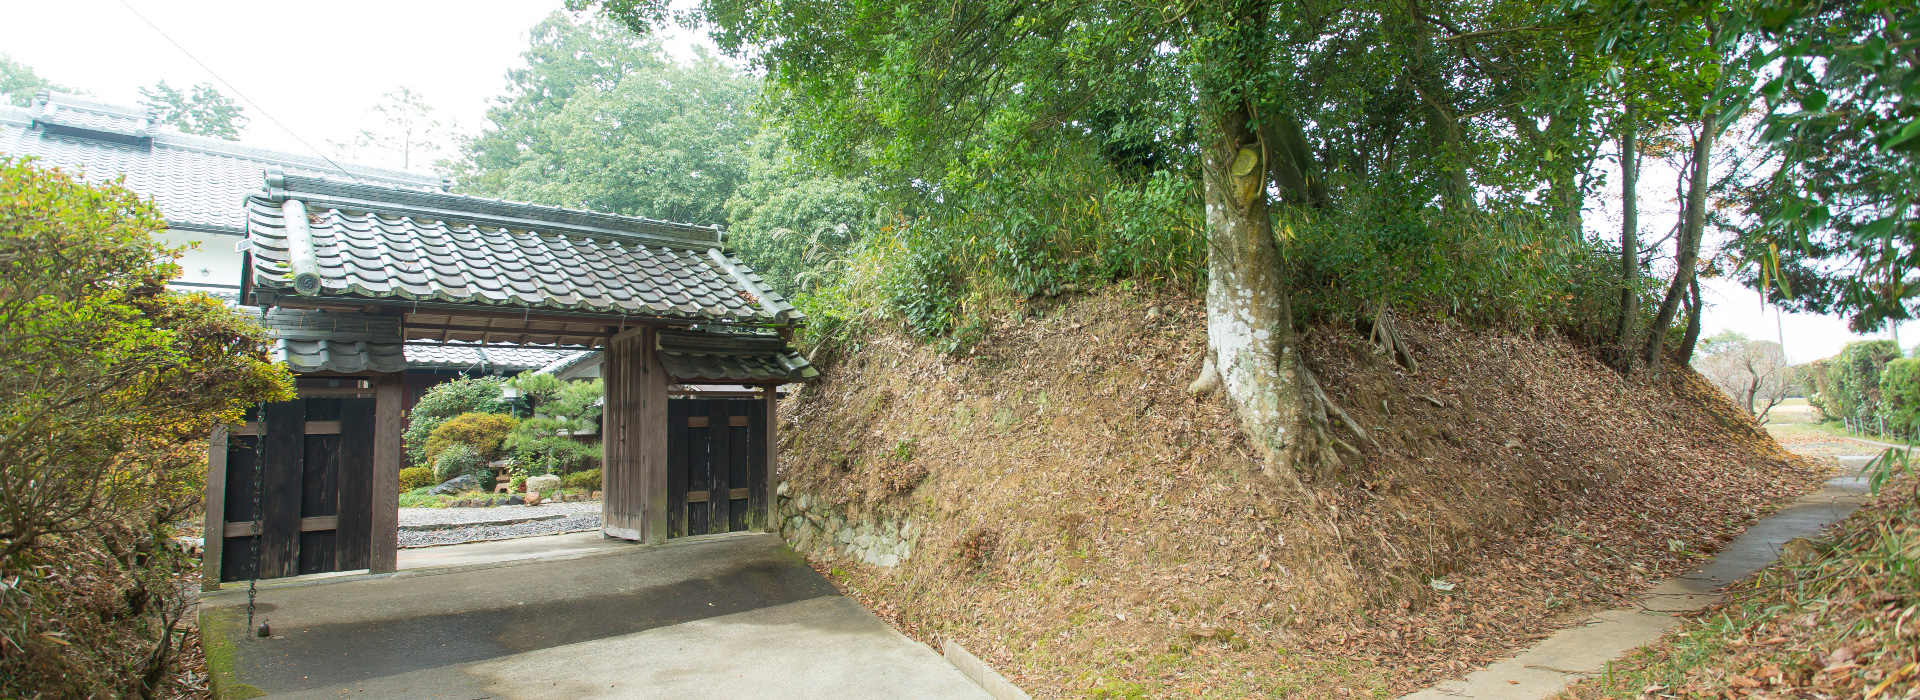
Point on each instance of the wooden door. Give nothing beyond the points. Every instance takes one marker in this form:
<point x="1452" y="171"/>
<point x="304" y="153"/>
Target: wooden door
<point x="312" y="492"/>
<point x="716" y="466"/>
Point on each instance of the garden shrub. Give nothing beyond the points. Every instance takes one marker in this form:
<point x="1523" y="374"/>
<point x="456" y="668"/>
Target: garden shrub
<point x="589" y="480"/>
<point x="460" y="458"/>
<point x="415" y="477"/>
<point x="484" y="432"/>
<point x="1853" y="378"/>
<point x="445" y="401"/>
<point x="109" y="386"/>
<point x="1900" y="393"/>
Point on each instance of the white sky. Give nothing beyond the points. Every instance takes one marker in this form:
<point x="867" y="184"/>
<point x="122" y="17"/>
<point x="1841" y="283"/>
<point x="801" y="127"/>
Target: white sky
<point x="318" y="66"/>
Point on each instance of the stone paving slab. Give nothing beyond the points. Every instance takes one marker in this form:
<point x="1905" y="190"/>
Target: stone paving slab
<point x="1571" y="654"/>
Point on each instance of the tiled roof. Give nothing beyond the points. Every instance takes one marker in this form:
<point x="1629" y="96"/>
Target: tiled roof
<point x="197" y="182"/>
<point x="317" y="341"/>
<point x="327" y="239"/>
<point x="713" y="356"/>
<point x="564" y="366"/>
<point x="463" y="356"/>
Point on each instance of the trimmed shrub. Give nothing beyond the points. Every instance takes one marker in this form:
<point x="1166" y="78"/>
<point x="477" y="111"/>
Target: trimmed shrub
<point x="1853" y="378"/>
<point x="415" y="477"/>
<point x="1900" y="392"/>
<point x="589" y="480"/>
<point x="445" y="401"/>
<point x="457" y="459"/>
<point x="484" y="432"/>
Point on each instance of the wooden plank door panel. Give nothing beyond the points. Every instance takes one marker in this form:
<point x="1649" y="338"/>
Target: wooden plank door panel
<point x="285" y="435"/>
<point x="719" y="466"/>
<point x="757" y="507"/>
<point x="738" y="474"/>
<point x="353" y="541"/>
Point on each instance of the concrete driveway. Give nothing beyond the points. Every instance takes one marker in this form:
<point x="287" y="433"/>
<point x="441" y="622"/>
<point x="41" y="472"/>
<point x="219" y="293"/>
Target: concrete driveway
<point x="736" y="616"/>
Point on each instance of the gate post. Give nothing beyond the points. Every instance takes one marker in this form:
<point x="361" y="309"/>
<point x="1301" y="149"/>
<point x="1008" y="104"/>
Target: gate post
<point x="213" y="534"/>
<point x="633" y="442"/>
<point x="384" y="552"/>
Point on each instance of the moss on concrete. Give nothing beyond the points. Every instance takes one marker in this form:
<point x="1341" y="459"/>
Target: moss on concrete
<point x="216" y="639"/>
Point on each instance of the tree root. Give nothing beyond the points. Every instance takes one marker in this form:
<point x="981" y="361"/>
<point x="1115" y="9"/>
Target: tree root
<point x="1387" y="340"/>
<point x="1208" y="381"/>
<point x="1321" y="412"/>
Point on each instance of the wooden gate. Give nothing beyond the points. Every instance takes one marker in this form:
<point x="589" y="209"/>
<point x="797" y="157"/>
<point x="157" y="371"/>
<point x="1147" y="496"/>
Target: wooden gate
<point x="315" y="503"/>
<point x="716" y="466"/>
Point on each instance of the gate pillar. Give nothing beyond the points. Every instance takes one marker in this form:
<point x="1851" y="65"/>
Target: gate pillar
<point x="633" y="444"/>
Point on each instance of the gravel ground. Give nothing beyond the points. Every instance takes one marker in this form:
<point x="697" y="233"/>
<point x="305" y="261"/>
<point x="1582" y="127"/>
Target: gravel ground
<point x="449" y="516"/>
<point x="579" y="517"/>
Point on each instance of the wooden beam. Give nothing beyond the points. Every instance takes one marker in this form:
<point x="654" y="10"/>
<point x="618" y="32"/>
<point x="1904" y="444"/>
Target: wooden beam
<point x="316" y="524"/>
<point x="312" y="427"/>
<point x="384" y="548"/>
<point x="211" y="546"/>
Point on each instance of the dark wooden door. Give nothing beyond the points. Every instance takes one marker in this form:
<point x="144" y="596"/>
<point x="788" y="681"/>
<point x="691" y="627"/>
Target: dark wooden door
<point x="308" y="464"/>
<point x="716" y="466"/>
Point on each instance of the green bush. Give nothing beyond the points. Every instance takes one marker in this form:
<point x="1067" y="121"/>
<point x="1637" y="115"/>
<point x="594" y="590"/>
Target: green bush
<point x="484" y="432"/>
<point x="415" y="477"/>
<point x="1853" y="378"/>
<point x="460" y="458"/>
<point x="445" y="401"/>
<point x="588" y="480"/>
<point x="1900" y="392"/>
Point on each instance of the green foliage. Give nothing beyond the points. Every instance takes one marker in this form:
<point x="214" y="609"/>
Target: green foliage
<point x="202" y="110"/>
<point x="444" y="401"/>
<point x="1900" y="392"/>
<point x="109" y="385"/>
<point x="543" y="445"/>
<point x="606" y="120"/>
<point x="407" y="136"/>
<point x="1854" y="378"/>
<point x="416" y="477"/>
<point x="484" y="433"/>
<point x="18" y="82"/>
<point x="588" y="479"/>
<point x="793" y="222"/>
<point x="1843" y="115"/>
<point x="459" y="458"/>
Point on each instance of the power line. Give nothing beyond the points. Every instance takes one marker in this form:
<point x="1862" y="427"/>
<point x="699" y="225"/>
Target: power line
<point x="236" y="91"/>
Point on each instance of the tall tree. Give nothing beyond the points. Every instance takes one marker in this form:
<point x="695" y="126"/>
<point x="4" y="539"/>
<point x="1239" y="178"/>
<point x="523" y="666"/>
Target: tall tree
<point x="408" y="134"/>
<point x="18" y="82"/>
<point x="602" y="118"/>
<point x="201" y="110"/>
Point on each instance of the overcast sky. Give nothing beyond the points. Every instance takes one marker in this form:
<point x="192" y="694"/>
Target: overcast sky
<point x="317" y="66"/>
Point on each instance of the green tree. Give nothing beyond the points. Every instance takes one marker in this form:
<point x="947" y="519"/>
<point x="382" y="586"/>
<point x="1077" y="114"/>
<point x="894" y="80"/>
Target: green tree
<point x="795" y="223"/>
<point x="603" y="119"/>
<point x="201" y="110"/>
<point x="109" y="385"/>
<point x="18" y="82"/>
<point x="407" y="134"/>
<point x="1840" y="232"/>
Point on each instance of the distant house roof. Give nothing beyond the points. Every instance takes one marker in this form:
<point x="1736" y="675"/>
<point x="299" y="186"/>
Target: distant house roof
<point x="197" y="182"/>
<point x="490" y="358"/>
<point x="333" y="241"/>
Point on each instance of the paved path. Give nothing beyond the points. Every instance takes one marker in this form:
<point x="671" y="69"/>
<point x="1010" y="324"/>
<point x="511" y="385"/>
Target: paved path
<point x="1549" y="666"/>
<point x="731" y="617"/>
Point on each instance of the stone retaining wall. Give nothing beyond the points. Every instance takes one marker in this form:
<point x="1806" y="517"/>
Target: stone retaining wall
<point x="818" y="530"/>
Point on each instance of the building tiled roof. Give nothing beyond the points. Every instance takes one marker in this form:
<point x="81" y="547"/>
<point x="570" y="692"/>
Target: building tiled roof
<point x="197" y="182"/>
<point x="463" y="356"/>
<point x="326" y="239"/>
<point x="733" y="357"/>
<point x="325" y="341"/>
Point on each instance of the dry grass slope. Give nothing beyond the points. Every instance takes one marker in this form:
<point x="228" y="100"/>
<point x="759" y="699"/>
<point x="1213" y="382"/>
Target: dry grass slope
<point x="1092" y="531"/>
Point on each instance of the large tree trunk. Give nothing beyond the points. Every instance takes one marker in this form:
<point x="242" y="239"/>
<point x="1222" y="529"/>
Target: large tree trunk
<point x="1250" y="339"/>
<point x="1629" y="237"/>
<point x="1689" y="245"/>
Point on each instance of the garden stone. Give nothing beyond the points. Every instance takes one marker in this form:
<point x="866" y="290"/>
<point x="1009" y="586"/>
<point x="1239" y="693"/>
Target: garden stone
<point x="459" y="484"/>
<point x="515" y="500"/>
<point x="543" y="483"/>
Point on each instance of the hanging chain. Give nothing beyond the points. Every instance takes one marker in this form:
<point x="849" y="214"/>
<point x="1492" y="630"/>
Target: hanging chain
<point x="259" y="485"/>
